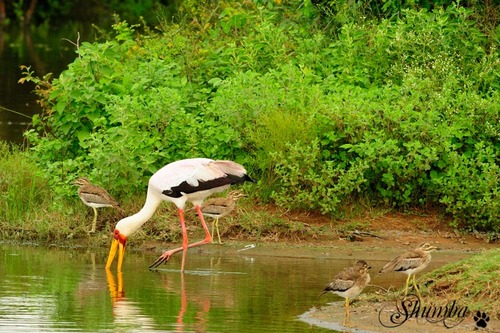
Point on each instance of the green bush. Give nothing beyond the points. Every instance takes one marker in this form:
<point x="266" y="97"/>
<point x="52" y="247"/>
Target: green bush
<point x="120" y="113"/>
<point x="399" y="112"/>
<point x="309" y="182"/>
<point x="469" y="187"/>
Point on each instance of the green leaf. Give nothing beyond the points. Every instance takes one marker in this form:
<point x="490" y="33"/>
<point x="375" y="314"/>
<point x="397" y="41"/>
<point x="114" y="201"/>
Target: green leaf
<point x="83" y="135"/>
<point x="60" y="106"/>
<point x="346" y="146"/>
<point x="215" y="82"/>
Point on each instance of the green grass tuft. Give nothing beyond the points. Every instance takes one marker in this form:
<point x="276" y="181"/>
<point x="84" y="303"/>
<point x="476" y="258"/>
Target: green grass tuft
<point x="473" y="281"/>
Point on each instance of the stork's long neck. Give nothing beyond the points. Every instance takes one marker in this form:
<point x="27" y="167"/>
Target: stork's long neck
<point x="132" y="223"/>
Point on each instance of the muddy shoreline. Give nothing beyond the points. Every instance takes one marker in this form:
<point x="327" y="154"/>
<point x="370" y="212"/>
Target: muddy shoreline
<point x="365" y="319"/>
<point x="376" y="247"/>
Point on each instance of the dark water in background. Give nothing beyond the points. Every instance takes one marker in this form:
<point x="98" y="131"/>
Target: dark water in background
<point x="45" y="50"/>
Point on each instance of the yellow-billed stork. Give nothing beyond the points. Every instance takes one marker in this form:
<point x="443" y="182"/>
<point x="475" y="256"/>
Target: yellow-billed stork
<point x="186" y="180"/>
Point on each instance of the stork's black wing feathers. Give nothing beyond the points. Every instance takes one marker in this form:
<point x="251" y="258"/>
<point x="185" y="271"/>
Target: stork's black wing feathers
<point x="186" y="188"/>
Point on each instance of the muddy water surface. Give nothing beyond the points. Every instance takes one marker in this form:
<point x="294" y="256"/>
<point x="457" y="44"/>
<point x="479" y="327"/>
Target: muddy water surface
<point x="223" y="290"/>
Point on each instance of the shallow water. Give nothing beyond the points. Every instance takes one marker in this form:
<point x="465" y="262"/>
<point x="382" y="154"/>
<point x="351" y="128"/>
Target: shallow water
<point x="48" y="289"/>
<point x="222" y="290"/>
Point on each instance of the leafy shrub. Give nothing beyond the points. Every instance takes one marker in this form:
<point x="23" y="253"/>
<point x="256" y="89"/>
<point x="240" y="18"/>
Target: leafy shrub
<point x="268" y="111"/>
<point x="306" y="182"/>
<point x="397" y="112"/>
<point x="469" y="187"/>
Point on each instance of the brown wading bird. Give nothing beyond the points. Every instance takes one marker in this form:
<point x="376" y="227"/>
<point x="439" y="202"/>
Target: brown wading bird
<point x="95" y="197"/>
<point x="190" y="180"/>
<point x="220" y="207"/>
<point x="348" y="284"/>
<point x="411" y="263"/>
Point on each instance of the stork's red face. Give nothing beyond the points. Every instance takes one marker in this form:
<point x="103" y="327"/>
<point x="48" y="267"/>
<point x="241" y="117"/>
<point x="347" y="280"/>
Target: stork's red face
<point x="118" y="243"/>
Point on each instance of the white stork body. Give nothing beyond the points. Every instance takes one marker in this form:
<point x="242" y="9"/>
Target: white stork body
<point x="190" y="180"/>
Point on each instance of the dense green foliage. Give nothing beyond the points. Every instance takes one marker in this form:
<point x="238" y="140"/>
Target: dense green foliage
<point x="399" y="110"/>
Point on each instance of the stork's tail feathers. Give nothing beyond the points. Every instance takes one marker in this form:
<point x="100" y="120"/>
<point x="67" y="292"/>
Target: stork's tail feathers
<point x="248" y="179"/>
<point x="237" y="179"/>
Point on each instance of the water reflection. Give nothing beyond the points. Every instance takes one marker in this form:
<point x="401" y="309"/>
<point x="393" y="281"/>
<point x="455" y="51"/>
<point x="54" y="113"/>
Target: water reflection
<point x="127" y="315"/>
<point x="48" y="289"/>
<point x="222" y="292"/>
<point x="202" y="305"/>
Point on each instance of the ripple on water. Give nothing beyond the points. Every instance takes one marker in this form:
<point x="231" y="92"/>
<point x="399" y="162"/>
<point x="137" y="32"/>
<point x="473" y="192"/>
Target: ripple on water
<point x="28" y="313"/>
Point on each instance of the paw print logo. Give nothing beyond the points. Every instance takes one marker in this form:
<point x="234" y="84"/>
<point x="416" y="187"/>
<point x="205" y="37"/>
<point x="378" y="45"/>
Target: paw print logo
<point x="481" y="319"/>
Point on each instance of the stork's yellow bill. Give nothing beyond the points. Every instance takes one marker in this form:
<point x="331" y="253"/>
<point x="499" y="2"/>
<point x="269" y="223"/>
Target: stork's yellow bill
<point x="118" y="244"/>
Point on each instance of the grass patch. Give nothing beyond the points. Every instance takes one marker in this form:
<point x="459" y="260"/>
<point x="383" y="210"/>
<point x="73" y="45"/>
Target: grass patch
<point x="17" y="188"/>
<point x="29" y="210"/>
<point x="473" y="282"/>
<point x="22" y="191"/>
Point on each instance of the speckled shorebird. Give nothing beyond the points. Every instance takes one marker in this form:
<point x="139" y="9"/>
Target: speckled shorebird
<point x="95" y="197"/>
<point x="411" y="263"/>
<point x="348" y="284"/>
<point x="220" y="207"/>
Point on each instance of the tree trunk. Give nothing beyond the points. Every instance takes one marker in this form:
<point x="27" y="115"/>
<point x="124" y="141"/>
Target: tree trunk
<point x="29" y="12"/>
<point x="2" y="11"/>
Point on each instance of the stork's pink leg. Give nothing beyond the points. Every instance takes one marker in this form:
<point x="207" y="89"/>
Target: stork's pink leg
<point x="208" y="236"/>
<point x="185" y="241"/>
<point x="166" y="255"/>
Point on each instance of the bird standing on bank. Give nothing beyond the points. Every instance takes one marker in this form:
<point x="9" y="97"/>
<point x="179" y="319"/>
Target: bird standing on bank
<point x="411" y="263"/>
<point x="220" y="207"/>
<point x="186" y="180"/>
<point x="95" y="197"/>
<point x="348" y="284"/>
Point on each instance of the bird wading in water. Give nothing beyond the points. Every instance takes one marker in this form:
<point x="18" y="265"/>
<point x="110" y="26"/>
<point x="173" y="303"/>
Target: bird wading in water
<point x="95" y="197"/>
<point x="348" y="284"/>
<point x="186" y="180"/>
